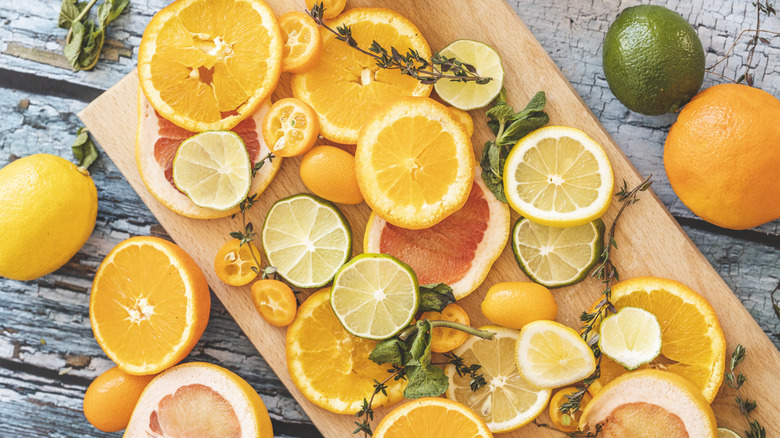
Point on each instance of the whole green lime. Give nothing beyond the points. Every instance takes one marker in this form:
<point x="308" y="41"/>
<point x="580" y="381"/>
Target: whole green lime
<point x="653" y="60"/>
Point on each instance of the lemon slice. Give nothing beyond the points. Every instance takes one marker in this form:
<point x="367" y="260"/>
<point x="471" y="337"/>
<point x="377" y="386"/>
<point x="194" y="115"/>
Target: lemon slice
<point x="632" y="337"/>
<point x="470" y="95"/>
<point x="213" y="169"/>
<point x="558" y="176"/>
<point x="556" y="257"/>
<point x="727" y="433"/>
<point x="375" y="296"/>
<point x="307" y="239"/>
<point x="507" y="402"/>
<point x="550" y="355"/>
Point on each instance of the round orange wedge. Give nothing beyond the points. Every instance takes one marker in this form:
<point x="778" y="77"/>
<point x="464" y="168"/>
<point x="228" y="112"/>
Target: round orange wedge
<point x="302" y="42"/>
<point x="432" y="418"/>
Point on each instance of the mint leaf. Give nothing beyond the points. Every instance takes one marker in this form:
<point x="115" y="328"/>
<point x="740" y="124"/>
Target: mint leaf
<point x="536" y="103"/>
<point x="421" y="346"/>
<point x="425" y="381"/>
<point x="84" y="149"/>
<point x="86" y="37"/>
<point x="109" y="10"/>
<point x="522" y="126"/>
<point x="73" y="48"/>
<point x="492" y="163"/>
<point x="393" y="351"/>
<point x="69" y="10"/>
<point x="435" y="297"/>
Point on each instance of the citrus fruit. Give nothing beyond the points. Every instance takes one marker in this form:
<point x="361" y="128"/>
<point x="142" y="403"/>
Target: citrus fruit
<point x="329" y="172"/>
<point x="632" y="337"/>
<point x="206" y="64"/>
<point x="302" y="42"/>
<point x="650" y="403"/>
<point x="517" y="303"/>
<point x="727" y="433"/>
<point x="149" y="305"/>
<point x="199" y="400"/>
<point x="331" y="8"/>
<point x="234" y="262"/>
<point x="307" y="239"/>
<point x="566" y="422"/>
<point x="693" y="344"/>
<point x="557" y="257"/>
<point x="111" y="398"/>
<point x="447" y="339"/>
<point x="330" y="366"/>
<point x="471" y="95"/>
<point x="157" y="141"/>
<point x="464" y="118"/>
<point x="347" y="79"/>
<point x="720" y="169"/>
<point x="375" y="296"/>
<point x="275" y="302"/>
<point x="653" y="60"/>
<point x="291" y="127"/>
<point x="481" y="227"/>
<point x="49" y="207"/>
<point x="551" y="355"/>
<point x="432" y="418"/>
<point x="213" y="169"/>
<point x="414" y="163"/>
<point x="558" y="176"/>
<point x="507" y="402"/>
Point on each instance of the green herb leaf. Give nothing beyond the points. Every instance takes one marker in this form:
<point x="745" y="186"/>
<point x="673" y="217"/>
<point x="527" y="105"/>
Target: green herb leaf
<point x="69" y="11"/>
<point x="435" y="297"/>
<point x="109" y="10"/>
<point x="522" y="126"/>
<point x="421" y="346"/>
<point x="393" y="351"/>
<point x="73" y="48"/>
<point x="86" y="37"/>
<point x="492" y="163"/>
<point x="84" y="149"/>
<point x="499" y="112"/>
<point x="425" y="381"/>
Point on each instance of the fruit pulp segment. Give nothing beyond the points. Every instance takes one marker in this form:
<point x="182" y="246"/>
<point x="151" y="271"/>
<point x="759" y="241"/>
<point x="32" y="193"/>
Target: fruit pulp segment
<point x="297" y="38"/>
<point x="434" y="422"/>
<point x="555" y="254"/>
<point x="195" y="411"/>
<point x="558" y="174"/>
<point x="288" y="128"/>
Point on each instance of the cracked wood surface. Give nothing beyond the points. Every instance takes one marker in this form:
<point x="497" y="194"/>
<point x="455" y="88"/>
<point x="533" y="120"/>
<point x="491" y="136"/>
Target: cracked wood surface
<point x="47" y="352"/>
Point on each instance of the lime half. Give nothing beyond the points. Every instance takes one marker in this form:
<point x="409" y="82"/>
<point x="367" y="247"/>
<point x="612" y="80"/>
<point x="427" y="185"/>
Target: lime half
<point x="727" y="433"/>
<point x="470" y="95"/>
<point x="213" y="169"/>
<point x="307" y="239"/>
<point x="375" y="296"/>
<point x="631" y="337"/>
<point x="556" y="257"/>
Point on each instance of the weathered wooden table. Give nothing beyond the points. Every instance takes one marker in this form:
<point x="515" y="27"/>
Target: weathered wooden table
<point x="48" y="355"/>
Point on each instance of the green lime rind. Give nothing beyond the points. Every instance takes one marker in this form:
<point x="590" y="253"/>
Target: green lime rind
<point x="589" y="250"/>
<point x="305" y="250"/>
<point x="359" y="291"/>
<point x="631" y="343"/>
<point x="468" y="96"/>
<point x="727" y="433"/>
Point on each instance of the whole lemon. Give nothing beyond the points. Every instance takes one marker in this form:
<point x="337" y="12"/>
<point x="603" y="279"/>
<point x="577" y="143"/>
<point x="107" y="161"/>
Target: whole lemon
<point x="329" y="172"/>
<point x="723" y="153"/>
<point x="517" y="303"/>
<point x="111" y="398"/>
<point x="48" y="210"/>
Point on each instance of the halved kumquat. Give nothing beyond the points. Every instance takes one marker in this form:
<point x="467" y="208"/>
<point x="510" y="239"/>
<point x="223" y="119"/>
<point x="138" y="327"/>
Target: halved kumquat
<point x="275" y="302"/>
<point x="447" y="339"/>
<point x="234" y="262"/>
<point x="290" y="128"/>
<point x="302" y="42"/>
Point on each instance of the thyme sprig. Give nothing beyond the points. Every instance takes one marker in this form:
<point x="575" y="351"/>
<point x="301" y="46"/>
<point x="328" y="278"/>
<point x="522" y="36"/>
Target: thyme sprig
<point x="426" y="70"/>
<point x="575" y="434"/>
<point x="366" y="413"/>
<point x="746" y="406"/>
<point x="608" y="274"/>
<point x="477" y="379"/>
<point x="247" y="234"/>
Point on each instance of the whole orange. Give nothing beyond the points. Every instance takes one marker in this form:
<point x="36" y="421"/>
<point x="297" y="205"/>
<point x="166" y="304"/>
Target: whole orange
<point x="111" y="398"/>
<point x="722" y="156"/>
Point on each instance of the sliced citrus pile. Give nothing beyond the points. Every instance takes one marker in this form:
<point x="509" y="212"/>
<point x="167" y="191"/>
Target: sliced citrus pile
<point x="551" y="355"/>
<point x="481" y="227"/>
<point x="347" y="79"/>
<point x="558" y="176"/>
<point x="157" y="141"/>
<point x="209" y="64"/>
<point x="471" y="95"/>
<point x="693" y="344"/>
<point x="291" y="127"/>
<point x="557" y="257"/>
<point x="432" y="418"/>
<point x="414" y="163"/>
<point x="149" y="305"/>
<point x="507" y="402"/>
<point x="329" y="365"/>
<point x="234" y="263"/>
<point x="302" y="42"/>
<point x="202" y="400"/>
<point x="632" y="337"/>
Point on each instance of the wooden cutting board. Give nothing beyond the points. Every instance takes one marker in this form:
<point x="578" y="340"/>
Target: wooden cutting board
<point x="650" y="240"/>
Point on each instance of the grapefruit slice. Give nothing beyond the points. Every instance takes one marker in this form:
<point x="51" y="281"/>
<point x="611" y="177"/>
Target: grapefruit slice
<point x="458" y="251"/>
<point x="157" y="140"/>
<point x="202" y="400"/>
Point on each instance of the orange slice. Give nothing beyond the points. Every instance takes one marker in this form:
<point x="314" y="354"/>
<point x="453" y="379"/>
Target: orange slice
<point x="414" y="163"/>
<point x="209" y="64"/>
<point x="331" y="7"/>
<point x="149" y="305"/>
<point x="302" y="42"/>
<point x="347" y="86"/>
<point x="234" y="263"/>
<point x="432" y="418"/>
<point x="291" y="127"/>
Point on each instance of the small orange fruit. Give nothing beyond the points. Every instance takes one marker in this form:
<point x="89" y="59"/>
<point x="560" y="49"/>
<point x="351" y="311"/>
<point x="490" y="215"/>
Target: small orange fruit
<point x="329" y="172"/>
<point x="290" y="128"/>
<point x="432" y="418"/>
<point x="331" y="7"/>
<point x="149" y="305"/>
<point x="302" y="42"/>
<point x="464" y="118"/>
<point x="111" y="398"/>
<point x="566" y="422"/>
<point x="517" y="303"/>
<point x="275" y="302"/>
<point x="447" y="339"/>
<point x="722" y="156"/>
<point x="234" y="262"/>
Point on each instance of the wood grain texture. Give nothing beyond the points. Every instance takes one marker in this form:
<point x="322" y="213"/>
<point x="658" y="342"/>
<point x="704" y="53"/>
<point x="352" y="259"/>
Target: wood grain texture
<point x="656" y="245"/>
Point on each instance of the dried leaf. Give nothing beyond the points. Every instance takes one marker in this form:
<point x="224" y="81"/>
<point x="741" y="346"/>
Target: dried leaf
<point x="83" y="148"/>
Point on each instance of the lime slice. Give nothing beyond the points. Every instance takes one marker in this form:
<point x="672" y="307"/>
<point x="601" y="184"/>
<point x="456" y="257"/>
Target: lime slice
<point x="727" y="433"/>
<point x="551" y="355"/>
<point x="558" y="176"/>
<point x="556" y="257"/>
<point x="631" y="337"/>
<point x="307" y="239"/>
<point x="507" y="402"/>
<point x="213" y="169"/>
<point x="375" y="296"/>
<point x="470" y="95"/>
